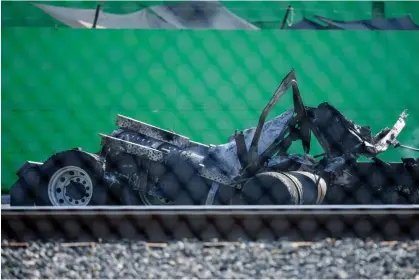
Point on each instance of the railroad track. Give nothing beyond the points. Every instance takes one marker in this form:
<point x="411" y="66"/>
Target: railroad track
<point x="164" y="224"/>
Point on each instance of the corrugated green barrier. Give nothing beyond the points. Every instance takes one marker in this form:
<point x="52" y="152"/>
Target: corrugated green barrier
<point x="61" y="87"/>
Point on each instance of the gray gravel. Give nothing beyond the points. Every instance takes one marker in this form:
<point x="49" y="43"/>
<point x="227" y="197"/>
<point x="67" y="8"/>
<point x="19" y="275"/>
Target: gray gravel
<point x="348" y="258"/>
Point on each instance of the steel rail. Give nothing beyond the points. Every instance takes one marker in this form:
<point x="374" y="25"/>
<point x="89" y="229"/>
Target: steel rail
<point x="163" y="224"/>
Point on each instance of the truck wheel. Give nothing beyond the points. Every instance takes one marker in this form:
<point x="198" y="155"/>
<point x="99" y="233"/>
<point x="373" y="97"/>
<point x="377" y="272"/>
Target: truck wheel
<point x="130" y="196"/>
<point x="181" y="183"/>
<point x="72" y="178"/>
<point x="268" y="188"/>
<point x="133" y="197"/>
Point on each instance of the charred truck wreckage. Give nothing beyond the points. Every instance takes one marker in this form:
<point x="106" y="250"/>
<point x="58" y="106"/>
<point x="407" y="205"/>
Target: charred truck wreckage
<point x="139" y="164"/>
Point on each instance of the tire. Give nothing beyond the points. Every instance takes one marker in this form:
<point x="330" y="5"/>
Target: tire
<point x="268" y="188"/>
<point x="181" y="183"/>
<point x="21" y="194"/>
<point x="130" y="197"/>
<point x="194" y="191"/>
<point x="72" y="178"/>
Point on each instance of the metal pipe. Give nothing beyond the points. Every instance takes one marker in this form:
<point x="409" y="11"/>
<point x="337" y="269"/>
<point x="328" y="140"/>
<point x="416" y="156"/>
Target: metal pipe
<point x="287" y="13"/>
<point x="408" y="148"/>
<point x="96" y="16"/>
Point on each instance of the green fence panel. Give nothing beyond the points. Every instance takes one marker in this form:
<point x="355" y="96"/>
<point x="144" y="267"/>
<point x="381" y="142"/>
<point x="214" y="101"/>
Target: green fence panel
<point x="61" y="87"/>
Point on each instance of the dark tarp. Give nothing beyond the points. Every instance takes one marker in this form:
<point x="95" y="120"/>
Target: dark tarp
<point x="401" y="23"/>
<point x="200" y="14"/>
<point x="307" y="24"/>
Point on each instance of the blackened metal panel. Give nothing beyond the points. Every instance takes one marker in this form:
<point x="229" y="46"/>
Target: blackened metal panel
<point x="131" y="148"/>
<point x="152" y="131"/>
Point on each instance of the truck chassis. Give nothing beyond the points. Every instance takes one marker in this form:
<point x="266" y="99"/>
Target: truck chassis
<point x="140" y="164"/>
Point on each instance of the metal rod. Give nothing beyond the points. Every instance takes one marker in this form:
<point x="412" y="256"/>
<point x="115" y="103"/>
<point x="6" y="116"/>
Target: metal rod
<point x="408" y="148"/>
<point x="287" y="13"/>
<point x="96" y="16"/>
<point x="317" y="156"/>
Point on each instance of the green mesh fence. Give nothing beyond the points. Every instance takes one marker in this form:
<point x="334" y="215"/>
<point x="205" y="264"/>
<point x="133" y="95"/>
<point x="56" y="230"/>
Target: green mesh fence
<point x="61" y="86"/>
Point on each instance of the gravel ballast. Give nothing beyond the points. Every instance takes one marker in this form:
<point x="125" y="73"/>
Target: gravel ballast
<point x="348" y="258"/>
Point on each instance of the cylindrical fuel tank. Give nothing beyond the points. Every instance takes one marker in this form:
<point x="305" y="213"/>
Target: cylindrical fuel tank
<point x="312" y="186"/>
<point x="283" y="188"/>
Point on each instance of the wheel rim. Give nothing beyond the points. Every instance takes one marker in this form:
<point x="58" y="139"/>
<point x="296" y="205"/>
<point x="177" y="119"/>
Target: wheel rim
<point x="70" y="186"/>
<point x="151" y="200"/>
